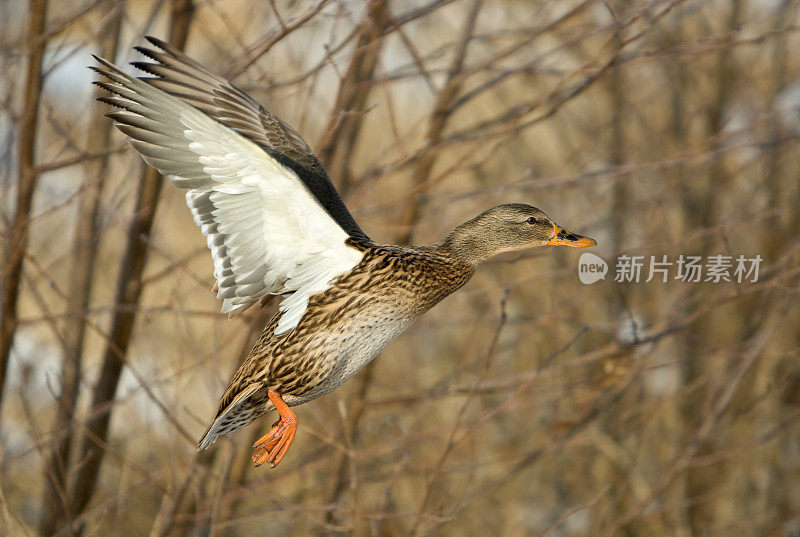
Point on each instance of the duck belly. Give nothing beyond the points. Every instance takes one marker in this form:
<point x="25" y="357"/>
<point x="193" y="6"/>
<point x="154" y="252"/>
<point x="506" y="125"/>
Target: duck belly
<point x="355" y="344"/>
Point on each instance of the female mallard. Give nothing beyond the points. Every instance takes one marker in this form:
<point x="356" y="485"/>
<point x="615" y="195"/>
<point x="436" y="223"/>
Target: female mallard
<point x="275" y="225"/>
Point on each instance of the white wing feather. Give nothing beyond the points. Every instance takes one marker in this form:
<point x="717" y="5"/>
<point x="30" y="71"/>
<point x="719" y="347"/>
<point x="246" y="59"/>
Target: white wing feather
<point x="266" y="232"/>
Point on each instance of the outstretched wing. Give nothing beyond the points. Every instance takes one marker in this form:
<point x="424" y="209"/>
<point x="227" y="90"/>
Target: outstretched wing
<point x="184" y="78"/>
<point x="273" y="221"/>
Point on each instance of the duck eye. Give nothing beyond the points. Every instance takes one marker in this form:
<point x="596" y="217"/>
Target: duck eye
<point x="531" y="220"/>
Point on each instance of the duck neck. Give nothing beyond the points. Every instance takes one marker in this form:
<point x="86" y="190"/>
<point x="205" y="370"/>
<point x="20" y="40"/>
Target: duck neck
<point x="467" y="245"/>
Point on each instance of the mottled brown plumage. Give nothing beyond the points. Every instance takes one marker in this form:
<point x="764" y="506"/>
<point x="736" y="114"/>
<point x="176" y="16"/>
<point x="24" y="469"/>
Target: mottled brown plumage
<point x="275" y="225"/>
<point x="391" y="287"/>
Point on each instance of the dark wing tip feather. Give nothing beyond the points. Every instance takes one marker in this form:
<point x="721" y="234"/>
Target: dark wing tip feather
<point x="105" y="63"/>
<point x="148" y="52"/>
<point x="104" y="85"/>
<point x="109" y="71"/>
<point x="147" y="67"/>
<point x="158" y="42"/>
<point x="111" y="101"/>
<point x="167" y="49"/>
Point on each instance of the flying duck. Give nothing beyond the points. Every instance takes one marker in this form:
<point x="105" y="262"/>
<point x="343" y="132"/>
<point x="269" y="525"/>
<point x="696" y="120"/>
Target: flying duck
<point x="275" y="225"/>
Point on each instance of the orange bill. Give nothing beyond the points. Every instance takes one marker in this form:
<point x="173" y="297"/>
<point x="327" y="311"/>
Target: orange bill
<point x="565" y="238"/>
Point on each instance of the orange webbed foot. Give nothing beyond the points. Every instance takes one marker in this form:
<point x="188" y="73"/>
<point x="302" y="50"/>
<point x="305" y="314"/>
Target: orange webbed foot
<point x="273" y="446"/>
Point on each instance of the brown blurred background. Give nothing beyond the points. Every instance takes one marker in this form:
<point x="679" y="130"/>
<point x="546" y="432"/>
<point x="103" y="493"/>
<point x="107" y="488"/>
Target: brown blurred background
<point x="528" y="403"/>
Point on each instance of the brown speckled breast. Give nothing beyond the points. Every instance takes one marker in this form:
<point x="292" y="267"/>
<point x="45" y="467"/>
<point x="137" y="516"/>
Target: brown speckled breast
<point x="344" y="328"/>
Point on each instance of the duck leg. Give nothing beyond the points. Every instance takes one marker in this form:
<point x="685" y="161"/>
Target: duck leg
<point x="273" y="446"/>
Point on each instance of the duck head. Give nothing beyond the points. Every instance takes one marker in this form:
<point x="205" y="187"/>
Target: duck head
<point x="505" y="228"/>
